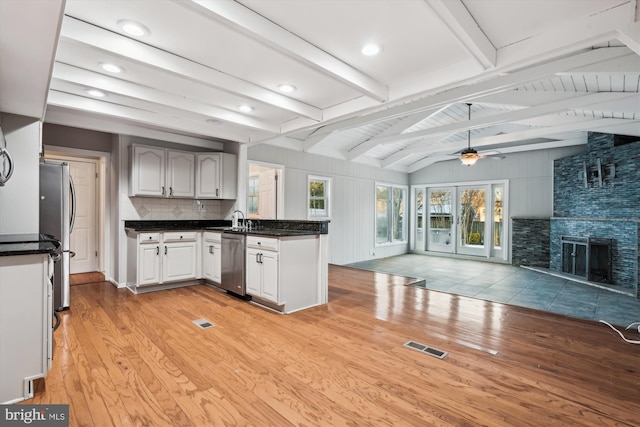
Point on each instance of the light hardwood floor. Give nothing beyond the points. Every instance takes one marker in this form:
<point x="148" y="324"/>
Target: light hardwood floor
<point x="124" y="359"/>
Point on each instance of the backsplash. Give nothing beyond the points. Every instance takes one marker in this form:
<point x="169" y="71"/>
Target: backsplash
<point x="149" y="208"/>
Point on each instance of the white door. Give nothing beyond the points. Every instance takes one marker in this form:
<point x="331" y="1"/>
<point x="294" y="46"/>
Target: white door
<point x="267" y="198"/>
<point x="83" y="240"/>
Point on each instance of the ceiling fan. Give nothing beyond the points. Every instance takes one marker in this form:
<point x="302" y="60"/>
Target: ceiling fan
<point x="469" y="156"/>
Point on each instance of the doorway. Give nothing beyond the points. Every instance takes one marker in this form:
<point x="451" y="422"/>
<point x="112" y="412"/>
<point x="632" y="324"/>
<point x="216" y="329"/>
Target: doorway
<point x="461" y="219"/>
<point x="265" y="191"/>
<point x="87" y="235"/>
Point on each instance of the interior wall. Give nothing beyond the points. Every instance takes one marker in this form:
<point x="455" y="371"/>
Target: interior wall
<point x="19" y="197"/>
<point x="352" y="226"/>
<point x="530" y="177"/>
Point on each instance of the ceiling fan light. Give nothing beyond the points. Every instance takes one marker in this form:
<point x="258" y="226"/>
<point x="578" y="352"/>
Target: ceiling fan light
<point x="468" y="160"/>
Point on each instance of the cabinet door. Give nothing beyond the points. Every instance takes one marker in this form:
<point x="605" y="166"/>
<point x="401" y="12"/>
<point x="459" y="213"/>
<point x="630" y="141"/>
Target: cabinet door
<point x="208" y="176"/>
<point x="148" y="264"/>
<point x="147" y="171"/>
<point x="217" y="262"/>
<point x="180" y="174"/>
<point x="254" y="272"/>
<point x="270" y="283"/>
<point x="179" y="262"/>
<point x="212" y="262"/>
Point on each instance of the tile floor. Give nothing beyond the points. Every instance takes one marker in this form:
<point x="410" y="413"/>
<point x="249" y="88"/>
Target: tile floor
<point x="512" y="285"/>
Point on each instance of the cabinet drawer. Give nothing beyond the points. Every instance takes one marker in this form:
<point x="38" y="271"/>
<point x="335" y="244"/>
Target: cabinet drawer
<point x="180" y="236"/>
<point x="149" y="238"/>
<point x="265" y="243"/>
<point x="212" y="237"/>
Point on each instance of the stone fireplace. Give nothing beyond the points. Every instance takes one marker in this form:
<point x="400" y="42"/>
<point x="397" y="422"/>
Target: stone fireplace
<point x="596" y="216"/>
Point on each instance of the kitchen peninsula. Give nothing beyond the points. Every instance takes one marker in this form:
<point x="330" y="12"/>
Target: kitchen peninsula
<point x="286" y="266"/>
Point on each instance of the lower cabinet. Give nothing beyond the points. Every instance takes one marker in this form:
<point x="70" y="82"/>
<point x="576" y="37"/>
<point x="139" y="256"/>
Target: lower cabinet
<point x="262" y="274"/>
<point x="283" y="273"/>
<point x="26" y="313"/>
<point x="212" y="256"/>
<point x="164" y="257"/>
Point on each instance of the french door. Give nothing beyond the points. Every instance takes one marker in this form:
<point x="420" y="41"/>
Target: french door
<point x="463" y="219"/>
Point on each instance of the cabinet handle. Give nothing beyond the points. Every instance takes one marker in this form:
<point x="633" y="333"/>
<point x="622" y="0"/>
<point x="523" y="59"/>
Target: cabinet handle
<point x="165" y="250"/>
<point x="257" y="258"/>
<point x="171" y="191"/>
<point x="210" y="249"/>
<point x="217" y="193"/>
<point x="260" y="257"/>
<point x="163" y="190"/>
<point x="157" y="250"/>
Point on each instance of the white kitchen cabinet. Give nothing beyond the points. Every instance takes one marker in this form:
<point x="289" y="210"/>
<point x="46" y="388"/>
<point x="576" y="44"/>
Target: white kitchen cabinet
<point x="26" y="312"/>
<point x="216" y="176"/>
<point x="163" y="258"/>
<point x="158" y="172"/>
<point x="283" y="273"/>
<point x="180" y="174"/>
<point x="212" y="256"/>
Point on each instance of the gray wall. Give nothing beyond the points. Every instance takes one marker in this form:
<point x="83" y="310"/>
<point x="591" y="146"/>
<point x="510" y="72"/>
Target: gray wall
<point x="352" y="227"/>
<point x="530" y="177"/>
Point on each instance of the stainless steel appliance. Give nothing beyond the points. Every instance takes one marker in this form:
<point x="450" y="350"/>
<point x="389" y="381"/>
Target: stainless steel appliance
<point x="6" y="162"/>
<point x="233" y="263"/>
<point x="57" y="214"/>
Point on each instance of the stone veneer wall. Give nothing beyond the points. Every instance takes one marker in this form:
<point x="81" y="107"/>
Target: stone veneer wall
<point x="530" y="239"/>
<point x="607" y="211"/>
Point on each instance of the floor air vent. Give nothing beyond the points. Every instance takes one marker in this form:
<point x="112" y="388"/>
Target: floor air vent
<point x="203" y="323"/>
<point x="426" y="349"/>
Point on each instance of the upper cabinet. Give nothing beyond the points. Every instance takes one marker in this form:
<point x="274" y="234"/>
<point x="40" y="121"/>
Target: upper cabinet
<point x="216" y="176"/>
<point x="158" y="172"/>
<point x="180" y="174"/>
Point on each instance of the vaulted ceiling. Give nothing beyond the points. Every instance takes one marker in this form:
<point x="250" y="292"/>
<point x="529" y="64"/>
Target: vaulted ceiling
<point x="501" y="76"/>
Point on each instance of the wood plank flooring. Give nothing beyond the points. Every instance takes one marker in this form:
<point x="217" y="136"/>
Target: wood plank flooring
<point x="138" y="360"/>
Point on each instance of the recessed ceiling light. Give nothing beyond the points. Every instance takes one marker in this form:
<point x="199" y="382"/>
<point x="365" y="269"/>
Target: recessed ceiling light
<point x="286" y="88"/>
<point x="371" y="49"/>
<point x="97" y="93"/>
<point x="245" y="108"/>
<point x="112" y="68"/>
<point x="133" y="28"/>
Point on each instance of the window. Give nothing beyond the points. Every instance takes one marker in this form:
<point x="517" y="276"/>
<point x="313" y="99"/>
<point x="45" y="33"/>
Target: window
<point x="318" y="197"/>
<point x="390" y="205"/>
<point x="253" y="195"/>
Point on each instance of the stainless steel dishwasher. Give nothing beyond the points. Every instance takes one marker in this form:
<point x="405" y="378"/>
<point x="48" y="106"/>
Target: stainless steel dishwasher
<point x="233" y="262"/>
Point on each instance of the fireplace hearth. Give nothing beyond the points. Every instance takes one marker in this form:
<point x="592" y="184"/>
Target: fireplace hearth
<point x="588" y="257"/>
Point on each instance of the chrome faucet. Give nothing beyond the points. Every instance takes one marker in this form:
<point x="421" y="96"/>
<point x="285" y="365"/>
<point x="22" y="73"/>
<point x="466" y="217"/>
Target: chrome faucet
<point x="233" y="215"/>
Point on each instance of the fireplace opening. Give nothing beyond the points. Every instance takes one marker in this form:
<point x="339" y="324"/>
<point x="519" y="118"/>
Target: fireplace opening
<point x="587" y="257"/>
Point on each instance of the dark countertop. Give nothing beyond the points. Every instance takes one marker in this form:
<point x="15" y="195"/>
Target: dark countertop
<point x="264" y="227"/>
<point x="27" y="244"/>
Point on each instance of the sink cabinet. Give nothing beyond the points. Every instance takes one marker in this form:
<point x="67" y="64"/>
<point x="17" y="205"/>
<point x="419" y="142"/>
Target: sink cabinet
<point x="161" y="173"/>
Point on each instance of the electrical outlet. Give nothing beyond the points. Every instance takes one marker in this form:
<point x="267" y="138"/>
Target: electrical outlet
<point x="198" y="205"/>
<point x="372" y="252"/>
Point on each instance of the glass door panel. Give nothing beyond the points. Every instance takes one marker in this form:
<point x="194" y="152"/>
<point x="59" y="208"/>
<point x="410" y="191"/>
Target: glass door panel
<point x="420" y="243"/>
<point x="472" y="224"/>
<point x="441" y="220"/>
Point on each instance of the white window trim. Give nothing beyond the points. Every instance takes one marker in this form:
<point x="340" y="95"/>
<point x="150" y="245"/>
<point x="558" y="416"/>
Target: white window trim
<point x="405" y="239"/>
<point x="327" y="197"/>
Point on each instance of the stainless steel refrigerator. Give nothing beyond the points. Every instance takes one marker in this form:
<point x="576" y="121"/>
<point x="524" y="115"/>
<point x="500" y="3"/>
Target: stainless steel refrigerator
<point x="57" y="214"/>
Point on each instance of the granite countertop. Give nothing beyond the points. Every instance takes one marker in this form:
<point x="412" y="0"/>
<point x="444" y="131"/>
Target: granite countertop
<point x="276" y="228"/>
<point x="27" y="244"/>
